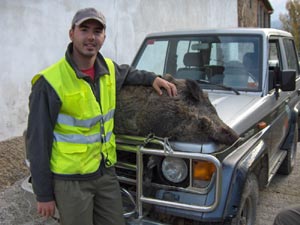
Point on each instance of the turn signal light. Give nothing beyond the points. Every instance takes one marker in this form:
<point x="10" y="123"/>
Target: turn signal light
<point x="203" y="170"/>
<point x="261" y="125"/>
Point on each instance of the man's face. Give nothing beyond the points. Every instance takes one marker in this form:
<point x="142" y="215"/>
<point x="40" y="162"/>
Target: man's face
<point x="87" y="38"/>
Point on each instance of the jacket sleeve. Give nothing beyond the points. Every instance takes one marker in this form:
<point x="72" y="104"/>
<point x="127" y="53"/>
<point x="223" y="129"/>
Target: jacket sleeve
<point x="127" y="75"/>
<point x="44" y="106"/>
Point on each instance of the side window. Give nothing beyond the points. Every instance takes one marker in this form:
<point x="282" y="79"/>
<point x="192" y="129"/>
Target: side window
<point x="274" y="61"/>
<point x="274" y="57"/>
<point x="291" y="55"/>
<point x="153" y="57"/>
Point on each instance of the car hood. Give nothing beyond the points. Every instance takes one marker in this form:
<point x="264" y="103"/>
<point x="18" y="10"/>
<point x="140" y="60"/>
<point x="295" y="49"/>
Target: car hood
<point x="232" y="109"/>
<point x="237" y="111"/>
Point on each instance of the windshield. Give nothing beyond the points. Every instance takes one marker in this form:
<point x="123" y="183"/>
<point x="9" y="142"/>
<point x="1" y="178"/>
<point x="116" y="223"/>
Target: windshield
<point x="229" y="60"/>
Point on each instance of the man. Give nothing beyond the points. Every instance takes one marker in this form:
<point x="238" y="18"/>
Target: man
<point x="70" y="136"/>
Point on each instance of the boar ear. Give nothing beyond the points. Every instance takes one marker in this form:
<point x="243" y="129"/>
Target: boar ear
<point x="192" y="90"/>
<point x="169" y="77"/>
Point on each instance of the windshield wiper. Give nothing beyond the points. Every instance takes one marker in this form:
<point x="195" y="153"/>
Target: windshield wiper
<point x="219" y="85"/>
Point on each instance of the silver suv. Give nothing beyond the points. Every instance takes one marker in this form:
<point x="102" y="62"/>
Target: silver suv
<point x="252" y="78"/>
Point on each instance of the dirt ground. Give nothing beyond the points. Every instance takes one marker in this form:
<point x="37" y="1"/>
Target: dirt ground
<point x="18" y="207"/>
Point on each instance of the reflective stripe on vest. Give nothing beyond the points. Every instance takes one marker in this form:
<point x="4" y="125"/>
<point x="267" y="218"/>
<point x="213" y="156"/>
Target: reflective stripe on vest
<point x="80" y="139"/>
<point x="71" y="121"/>
<point x="83" y="129"/>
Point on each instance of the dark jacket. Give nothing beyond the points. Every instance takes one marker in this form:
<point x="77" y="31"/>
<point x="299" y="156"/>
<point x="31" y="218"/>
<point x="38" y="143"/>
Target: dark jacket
<point x="44" y="107"/>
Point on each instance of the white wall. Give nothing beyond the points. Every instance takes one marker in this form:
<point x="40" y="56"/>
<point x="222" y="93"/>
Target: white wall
<point x="34" y="34"/>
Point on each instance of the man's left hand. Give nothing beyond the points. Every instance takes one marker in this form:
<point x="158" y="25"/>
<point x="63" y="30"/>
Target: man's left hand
<point x="159" y="83"/>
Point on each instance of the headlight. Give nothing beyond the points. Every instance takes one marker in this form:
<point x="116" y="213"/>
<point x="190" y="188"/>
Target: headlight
<point x="174" y="169"/>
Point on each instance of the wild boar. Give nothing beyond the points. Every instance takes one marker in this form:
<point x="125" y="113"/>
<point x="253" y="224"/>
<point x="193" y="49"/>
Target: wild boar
<point x="188" y="117"/>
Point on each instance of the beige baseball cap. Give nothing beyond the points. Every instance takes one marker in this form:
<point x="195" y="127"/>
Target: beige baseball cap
<point x="88" y="14"/>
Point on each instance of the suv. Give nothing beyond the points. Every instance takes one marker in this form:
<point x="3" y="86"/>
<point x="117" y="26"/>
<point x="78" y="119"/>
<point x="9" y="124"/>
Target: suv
<point x="251" y="77"/>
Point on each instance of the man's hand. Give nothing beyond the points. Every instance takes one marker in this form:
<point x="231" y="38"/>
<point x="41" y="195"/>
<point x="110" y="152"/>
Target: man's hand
<point x="46" y="209"/>
<point x="159" y="83"/>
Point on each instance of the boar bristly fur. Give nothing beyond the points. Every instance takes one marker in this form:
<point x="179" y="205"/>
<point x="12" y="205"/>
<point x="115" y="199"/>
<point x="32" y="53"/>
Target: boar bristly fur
<point x="188" y="117"/>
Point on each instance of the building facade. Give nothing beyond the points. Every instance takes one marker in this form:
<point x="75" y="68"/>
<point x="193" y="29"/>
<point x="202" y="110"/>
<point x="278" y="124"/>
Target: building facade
<point x="254" y="13"/>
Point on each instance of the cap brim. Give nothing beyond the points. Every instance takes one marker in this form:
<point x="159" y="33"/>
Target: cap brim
<point x="90" y="18"/>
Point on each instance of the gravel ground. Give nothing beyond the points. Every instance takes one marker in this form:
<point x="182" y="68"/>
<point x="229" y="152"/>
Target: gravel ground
<point x="18" y="207"/>
<point x="12" y="165"/>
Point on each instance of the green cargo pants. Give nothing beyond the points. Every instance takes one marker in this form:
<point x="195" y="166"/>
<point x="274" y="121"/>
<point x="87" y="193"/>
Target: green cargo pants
<point x="91" y="202"/>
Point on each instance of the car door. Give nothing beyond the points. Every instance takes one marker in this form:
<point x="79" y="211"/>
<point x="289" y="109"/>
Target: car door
<point x="282" y="54"/>
<point x="280" y="111"/>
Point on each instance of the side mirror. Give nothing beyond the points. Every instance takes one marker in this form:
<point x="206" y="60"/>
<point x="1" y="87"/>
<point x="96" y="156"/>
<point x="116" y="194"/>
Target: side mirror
<point x="288" y="80"/>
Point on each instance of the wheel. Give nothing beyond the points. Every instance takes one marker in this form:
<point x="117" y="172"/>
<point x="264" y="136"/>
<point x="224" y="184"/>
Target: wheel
<point x="289" y="161"/>
<point x="246" y="214"/>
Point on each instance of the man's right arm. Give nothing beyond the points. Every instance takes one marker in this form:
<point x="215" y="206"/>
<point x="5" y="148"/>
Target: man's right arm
<point x="44" y="106"/>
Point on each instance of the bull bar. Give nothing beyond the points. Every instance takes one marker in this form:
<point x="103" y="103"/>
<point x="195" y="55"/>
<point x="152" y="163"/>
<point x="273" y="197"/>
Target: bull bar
<point x="168" y="151"/>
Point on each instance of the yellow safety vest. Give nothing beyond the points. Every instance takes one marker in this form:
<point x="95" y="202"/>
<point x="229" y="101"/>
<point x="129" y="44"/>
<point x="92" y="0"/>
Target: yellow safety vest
<point x="84" y="128"/>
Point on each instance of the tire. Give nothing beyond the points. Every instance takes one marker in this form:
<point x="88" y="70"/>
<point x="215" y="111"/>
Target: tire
<point x="289" y="161"/>
<point x="246" y="214"/>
